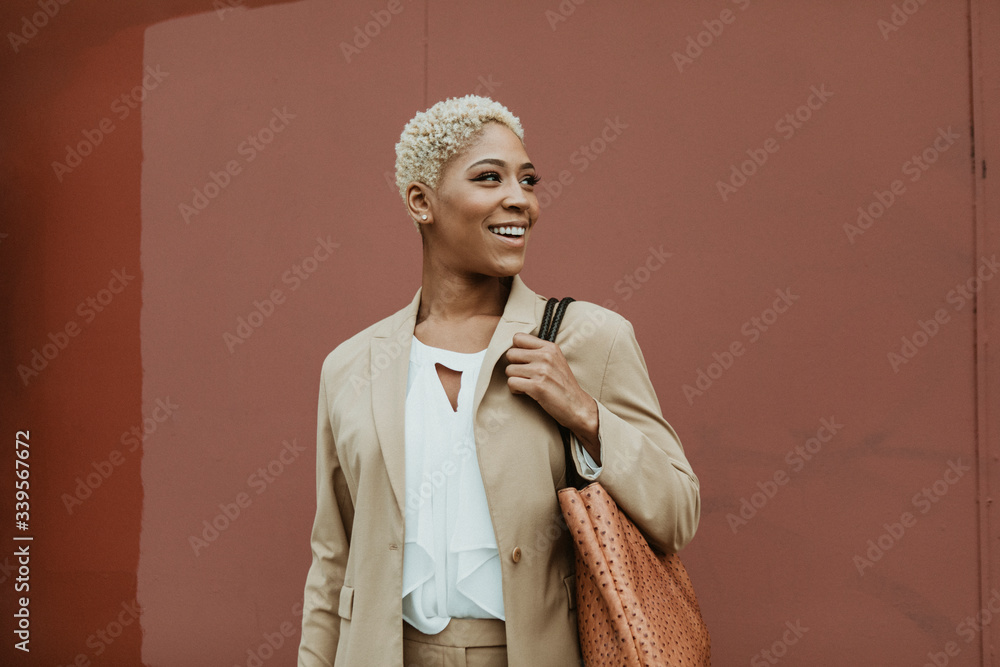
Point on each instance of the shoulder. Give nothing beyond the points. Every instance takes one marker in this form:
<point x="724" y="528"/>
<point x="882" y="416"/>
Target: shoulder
<point x="351" y="355"/>
<point x="592" y="339"/>
<point x="593" y="324"/>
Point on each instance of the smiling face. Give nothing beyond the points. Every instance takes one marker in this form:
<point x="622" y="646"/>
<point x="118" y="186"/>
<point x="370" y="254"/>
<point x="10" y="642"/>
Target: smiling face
<point x="488" y="185"/>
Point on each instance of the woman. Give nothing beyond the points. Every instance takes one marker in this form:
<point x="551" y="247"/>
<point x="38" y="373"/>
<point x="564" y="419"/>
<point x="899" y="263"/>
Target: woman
<point x="450" y="550"/>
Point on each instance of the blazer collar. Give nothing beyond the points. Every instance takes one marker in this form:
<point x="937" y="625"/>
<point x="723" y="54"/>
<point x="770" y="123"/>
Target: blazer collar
<point x="390" y="365"/>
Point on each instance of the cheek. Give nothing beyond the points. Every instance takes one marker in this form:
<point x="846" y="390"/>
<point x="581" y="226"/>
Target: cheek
<point x="534" y="209"/>
<point x="476" y="208"/>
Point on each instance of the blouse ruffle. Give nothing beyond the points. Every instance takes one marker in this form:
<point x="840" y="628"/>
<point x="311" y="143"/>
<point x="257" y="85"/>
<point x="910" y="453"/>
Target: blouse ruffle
<point x="451" y="565"/>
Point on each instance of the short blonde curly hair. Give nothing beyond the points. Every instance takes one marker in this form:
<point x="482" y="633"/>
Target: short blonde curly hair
<point x="432" y="137"/>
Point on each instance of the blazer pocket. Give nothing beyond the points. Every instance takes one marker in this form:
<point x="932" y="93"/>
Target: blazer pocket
<point x="346" y="602"/>
<point x="570" y="583"/>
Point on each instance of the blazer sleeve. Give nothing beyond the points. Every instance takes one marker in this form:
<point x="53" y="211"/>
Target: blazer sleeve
<point x="643" y="464"/>
<point x="330" y="542"/>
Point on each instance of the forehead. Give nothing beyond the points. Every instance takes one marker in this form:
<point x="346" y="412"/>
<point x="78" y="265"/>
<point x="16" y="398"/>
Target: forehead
<point x="494" y="140"/>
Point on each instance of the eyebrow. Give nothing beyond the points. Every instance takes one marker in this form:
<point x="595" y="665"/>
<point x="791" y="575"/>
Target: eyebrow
<point x="499" y="163"/>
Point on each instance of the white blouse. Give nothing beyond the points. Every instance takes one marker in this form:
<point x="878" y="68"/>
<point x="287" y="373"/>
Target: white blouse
<point x="451" y="565"/>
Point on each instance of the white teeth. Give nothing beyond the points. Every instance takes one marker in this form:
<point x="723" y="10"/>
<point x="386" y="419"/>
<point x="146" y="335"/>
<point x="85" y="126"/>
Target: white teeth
<point x="508" y="231"/>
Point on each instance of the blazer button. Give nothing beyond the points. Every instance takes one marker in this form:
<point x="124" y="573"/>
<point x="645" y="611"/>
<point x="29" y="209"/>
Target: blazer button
<point x="515" y="555"/>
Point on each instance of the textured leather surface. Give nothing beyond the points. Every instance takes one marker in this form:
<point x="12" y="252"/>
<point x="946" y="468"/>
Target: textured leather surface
<point x="635" y="607"/>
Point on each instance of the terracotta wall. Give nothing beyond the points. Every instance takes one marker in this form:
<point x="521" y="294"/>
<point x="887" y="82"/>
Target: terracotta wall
<point x="789" y="201"/>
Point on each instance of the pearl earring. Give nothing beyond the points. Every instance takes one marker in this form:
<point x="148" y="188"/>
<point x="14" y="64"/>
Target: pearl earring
<point x="423" y="217"/>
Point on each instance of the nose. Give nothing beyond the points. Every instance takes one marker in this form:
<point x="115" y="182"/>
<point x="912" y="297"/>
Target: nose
<point x="516" y="197"/>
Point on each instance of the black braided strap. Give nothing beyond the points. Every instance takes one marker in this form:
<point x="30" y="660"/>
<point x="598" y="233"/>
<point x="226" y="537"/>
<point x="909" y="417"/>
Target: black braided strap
<point x="548" y="331"/>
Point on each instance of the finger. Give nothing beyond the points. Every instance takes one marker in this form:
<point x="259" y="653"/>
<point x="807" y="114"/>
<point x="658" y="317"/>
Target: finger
<point x="516" y="384"/>
<point x="528" y="341"/>
<point x="524" y="370"/>
<point x="521" y="355"/>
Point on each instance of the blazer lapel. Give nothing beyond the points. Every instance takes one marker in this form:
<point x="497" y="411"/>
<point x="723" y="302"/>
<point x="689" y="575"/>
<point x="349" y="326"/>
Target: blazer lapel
<point x="390" y="365"/>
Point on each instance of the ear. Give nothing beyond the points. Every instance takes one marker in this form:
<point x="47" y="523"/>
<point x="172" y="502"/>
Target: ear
<point x="419" y="198"/>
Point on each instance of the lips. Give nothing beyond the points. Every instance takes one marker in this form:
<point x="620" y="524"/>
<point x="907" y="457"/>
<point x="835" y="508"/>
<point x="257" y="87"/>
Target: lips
<point x="510" y="230"/>
<point x="505" y="234"/>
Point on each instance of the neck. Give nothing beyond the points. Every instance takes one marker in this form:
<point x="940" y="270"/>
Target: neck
<point x="455" y="297"/>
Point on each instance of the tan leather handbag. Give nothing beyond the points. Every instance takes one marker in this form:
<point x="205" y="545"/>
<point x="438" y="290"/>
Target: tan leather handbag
<point x="635" y="606"/>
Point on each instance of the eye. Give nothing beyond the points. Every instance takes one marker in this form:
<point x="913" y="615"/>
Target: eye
<point x="494" y="177"/>
<point x="488" y="176"/>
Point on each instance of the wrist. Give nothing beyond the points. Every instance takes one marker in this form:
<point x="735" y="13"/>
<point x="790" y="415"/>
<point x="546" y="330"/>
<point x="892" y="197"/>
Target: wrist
<point x="586" y="430"/>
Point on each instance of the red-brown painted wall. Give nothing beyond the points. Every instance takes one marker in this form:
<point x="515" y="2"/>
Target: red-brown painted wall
<point x="815" y="431"/>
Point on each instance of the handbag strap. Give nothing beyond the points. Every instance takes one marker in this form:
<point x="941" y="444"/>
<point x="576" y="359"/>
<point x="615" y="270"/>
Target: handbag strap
<point x="550" y="326"/>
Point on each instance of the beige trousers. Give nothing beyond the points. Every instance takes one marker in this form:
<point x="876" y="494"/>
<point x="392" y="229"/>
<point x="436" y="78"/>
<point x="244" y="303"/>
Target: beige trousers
<point x="465" y="642"/>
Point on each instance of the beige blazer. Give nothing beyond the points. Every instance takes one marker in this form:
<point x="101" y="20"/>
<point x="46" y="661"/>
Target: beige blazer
<point x="352" y="614"/>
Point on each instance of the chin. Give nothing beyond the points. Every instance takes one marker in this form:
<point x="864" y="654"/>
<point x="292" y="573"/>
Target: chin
<point x="507" y="270"/>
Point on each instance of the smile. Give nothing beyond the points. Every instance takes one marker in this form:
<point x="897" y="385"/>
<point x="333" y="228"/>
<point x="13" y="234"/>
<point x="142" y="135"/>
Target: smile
<point x="509" y="231"/>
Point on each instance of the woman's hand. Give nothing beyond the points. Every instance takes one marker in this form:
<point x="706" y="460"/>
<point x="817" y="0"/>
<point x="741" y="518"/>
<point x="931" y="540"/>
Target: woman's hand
<point x="538" y="368"/>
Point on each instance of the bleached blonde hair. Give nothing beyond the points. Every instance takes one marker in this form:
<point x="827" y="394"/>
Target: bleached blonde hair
<point x="432" y="137"/>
